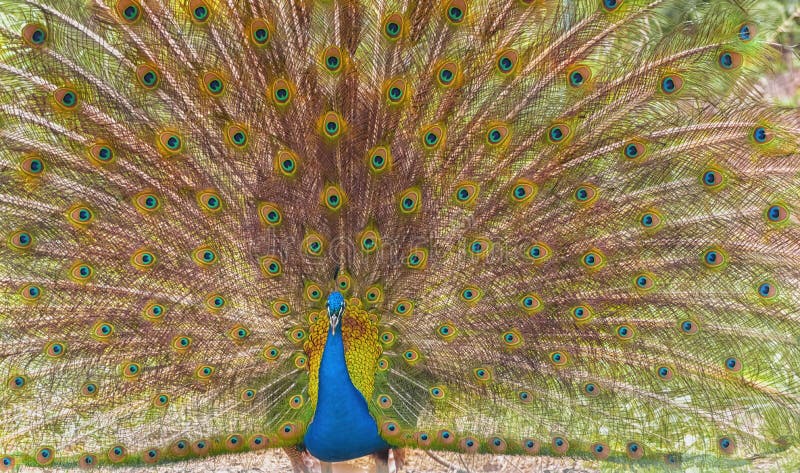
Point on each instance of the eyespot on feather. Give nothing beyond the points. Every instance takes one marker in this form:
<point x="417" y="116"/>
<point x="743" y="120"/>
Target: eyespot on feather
<point x="201" y="447"/>
<point x="469" y="445"/>
<point x="86" y="462"/>
<point x="147" y="201"/>
<point x="448" y="74"/>
<point x="21" y="240"/>
<point x="465" y="193"/>
<point x="32" y="166"/>
<point x="456" y="11"/>
<point x="66" y="98"/>
<point x="102" y="331"/>
<point x="392" y="26"/>
<point x="117" y="453"/>
<point x="286" y="163"/>
<point x="507" y="62"/>
<point x="259" y="32"/>
<point x="313" y="244"/>
<point x="729" y="60"/>
<point x="169" y="143"/>
<point x="600" y="451"/>
<point x="30" y="292"/>
<point x="205" y="256"/>
<point x="148" y="76"/>
<point x="129" y="11"/>
<point x="34" y="35"/>
<point x="578" y="76"/>
<point x="271" y="266"/>
<point x="181" y="343"/>
<point x="81" y="272"/>
<point x="101" y="153"/>
<point x="151" y="456"/>
<point x="634" y="450"/>
<point x="45" y="456"/>
<point x="332" y="59"/>
<point x="234" y="442"/>
<point x="395" y="92"/>
<point x="204" y="372"/>
<point x="671" y="84"/>
<point x="199" y="11"/>
<point x="269" y="214"/>
<point x="417" y="258"/>
<point x="333" y="197"/>
<point x="559" y="445"/>
<point x="432" y="137"/>
<point x="209" y="200"/>
<point x="523" y="191"/>
<point x="143" y="259"/>
<point x="282" y="92"/>
<point x="497" y="134"/>
<point x="154" y="311"/>
<point x="237" y="136"/>
<point x="213" y="84"/>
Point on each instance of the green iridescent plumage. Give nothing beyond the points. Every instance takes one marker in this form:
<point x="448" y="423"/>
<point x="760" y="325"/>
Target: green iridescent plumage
<point x="571" y="227"/>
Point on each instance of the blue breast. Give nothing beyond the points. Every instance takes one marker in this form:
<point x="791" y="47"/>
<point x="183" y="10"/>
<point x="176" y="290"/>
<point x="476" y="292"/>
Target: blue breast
<point x="342" y="428"/>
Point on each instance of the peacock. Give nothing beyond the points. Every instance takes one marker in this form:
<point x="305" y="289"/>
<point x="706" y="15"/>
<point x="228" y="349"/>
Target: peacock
<point x="349" y="227"/>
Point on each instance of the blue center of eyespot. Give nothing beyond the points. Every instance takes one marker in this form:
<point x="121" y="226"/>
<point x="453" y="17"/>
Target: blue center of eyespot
<point x="431" y="138"/>
<point x="392" y="29"/>
<point x="33" y="291"/>
<point x="668" y="84"/>
<point x="150" y="202"/>
<point x="83" y="271"/>
<point x="744" y="33"/>
<point x="505" y="64"/>
<point x="576" y="78"/>
<point x="446" y="75"/>
<point x="686" y="326"/>
<point x="711" y="257"/>
<point x="559" y="442"/>
<point x="463" y="194"/>
<point x="641" y="281"/>
<point x="726" y="60"/>
<point x="598" y="448"/>
<point x="647" y="220"/>
<point x="68" y="99"/>
<point x="633" y="447"/>
<point x="395" y="93"/>
<point x="201" y="13"/>
<point x="331" y="127"/>
<point x="774" y="213"/>
<point x="173" y="142"/>
<point x="282" y="94"/>
<point x="710" y="178"/>
<point x="149" y="78"/>
<point x="455" y="13"/>
<point x="663" y="371"/>
<point x="332" y="62"/>
<point x="764" y="289"/>
<point x="556" y="134"/>
<point x="261" y="34"/>
<point x="589" y="259"/>
<point x="36" y="165"/>
<point x="610" y="3"/>
<point x="131" y="12"/>
<point x="730" y="363"/>
<point x="38" y="36"/>
<point x="631" y="151"/>
<point x="760" y="134"/>
<point x="725" y="443"/>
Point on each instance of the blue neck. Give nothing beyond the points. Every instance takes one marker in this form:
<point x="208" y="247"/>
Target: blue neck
<point x="342" y="428"/>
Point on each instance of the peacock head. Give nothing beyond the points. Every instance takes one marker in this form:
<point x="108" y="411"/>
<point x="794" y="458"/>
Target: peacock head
<point x="335" y="305"/>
